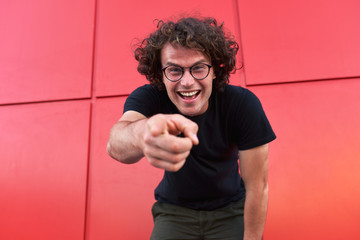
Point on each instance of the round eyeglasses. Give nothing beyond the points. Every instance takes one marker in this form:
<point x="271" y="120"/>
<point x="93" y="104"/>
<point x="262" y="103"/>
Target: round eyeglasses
<point x="198" y="71"/>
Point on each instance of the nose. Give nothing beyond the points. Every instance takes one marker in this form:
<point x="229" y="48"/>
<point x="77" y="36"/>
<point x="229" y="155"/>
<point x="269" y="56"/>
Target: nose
<point x="187" y="79"/>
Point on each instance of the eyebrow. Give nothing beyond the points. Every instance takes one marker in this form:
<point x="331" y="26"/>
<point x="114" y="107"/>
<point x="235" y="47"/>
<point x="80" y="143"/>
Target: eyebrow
<point x="177" y="65"/>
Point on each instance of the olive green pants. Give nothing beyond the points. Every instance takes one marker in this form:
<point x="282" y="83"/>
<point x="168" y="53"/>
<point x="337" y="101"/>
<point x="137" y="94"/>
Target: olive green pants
<point x="174" y="222"/>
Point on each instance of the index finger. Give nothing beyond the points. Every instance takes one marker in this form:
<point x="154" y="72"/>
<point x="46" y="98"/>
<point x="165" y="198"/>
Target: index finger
<point x="186" y="126"/>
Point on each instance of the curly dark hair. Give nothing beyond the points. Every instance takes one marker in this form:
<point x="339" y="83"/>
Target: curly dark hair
<point x="204" y="35"/>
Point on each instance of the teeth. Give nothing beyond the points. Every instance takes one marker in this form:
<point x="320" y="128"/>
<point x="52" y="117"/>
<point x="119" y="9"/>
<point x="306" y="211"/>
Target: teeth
<point x="189" y="94"/>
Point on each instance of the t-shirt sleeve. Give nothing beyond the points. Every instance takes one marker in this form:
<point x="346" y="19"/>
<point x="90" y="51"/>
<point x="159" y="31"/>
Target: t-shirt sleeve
<point x="144" y="100"/>
<point x="253" y="127"/>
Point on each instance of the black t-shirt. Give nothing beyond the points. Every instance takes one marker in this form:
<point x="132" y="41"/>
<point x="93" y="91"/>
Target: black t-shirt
<point x="209" y="179"/>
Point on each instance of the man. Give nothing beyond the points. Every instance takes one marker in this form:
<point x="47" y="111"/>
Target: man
<point x="190" y="122"/>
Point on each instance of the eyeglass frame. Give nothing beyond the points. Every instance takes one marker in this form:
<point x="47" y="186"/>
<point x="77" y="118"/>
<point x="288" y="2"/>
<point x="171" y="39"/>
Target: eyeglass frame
<point x="183" y="71"/>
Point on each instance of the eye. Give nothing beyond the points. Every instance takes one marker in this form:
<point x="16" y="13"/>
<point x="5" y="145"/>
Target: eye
<point x="199" y="68"/>
<point x="173" y="70"/>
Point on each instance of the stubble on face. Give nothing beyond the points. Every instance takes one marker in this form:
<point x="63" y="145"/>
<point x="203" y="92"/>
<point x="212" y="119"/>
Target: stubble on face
<point x="190" y="96"/>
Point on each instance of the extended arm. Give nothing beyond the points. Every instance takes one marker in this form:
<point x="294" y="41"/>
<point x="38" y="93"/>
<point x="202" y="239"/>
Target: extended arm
<point x="254" y="171"/>
<point x="135" y="136"/>
<point x="125" y="141"/>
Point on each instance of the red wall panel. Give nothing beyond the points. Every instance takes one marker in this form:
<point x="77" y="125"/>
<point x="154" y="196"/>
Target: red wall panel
<point x="120" y="196"/>
<point x="121" y="23"/>
<point x="285" y="41"/>
<point x="46" y="49"/>
<point x="43" y="149"/>
<point x="314" y="163"/>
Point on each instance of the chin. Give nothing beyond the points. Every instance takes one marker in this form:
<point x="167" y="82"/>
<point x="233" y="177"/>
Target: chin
<point x="190" y="113"/>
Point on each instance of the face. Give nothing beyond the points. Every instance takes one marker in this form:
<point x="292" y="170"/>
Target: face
<point x="189" y="95"/>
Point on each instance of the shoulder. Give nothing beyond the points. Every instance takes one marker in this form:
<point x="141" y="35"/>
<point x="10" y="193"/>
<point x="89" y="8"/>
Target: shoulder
<point x="231" y="91"/>
<point x="148" y="94"/>
<point x="248" y="120"/>
<point x="238" y="97"/>
<point x="145" y="89"/>
<point x="240" y="104"/>
<point x="145" y="100"/>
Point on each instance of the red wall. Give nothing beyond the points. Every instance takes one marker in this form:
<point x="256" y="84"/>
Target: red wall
<point x="66" y="68"/>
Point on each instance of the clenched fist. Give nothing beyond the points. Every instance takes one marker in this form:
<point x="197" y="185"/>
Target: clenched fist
<point x="162" y="147"/>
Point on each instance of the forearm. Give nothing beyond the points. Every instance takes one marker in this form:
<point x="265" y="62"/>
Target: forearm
<point x="125" y="141"/>
<point x="255" y="213"/>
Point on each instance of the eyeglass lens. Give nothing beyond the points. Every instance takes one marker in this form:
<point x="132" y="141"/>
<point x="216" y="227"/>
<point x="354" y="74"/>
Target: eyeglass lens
<point x="198" y="71"/>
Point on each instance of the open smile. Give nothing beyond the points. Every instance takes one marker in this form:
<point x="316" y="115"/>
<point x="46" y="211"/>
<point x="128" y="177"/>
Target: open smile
<point x="188" y="95"/>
